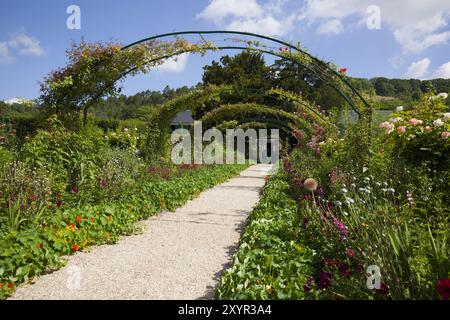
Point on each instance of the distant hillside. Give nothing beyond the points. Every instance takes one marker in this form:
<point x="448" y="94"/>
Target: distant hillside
<point x="386" y="93"/>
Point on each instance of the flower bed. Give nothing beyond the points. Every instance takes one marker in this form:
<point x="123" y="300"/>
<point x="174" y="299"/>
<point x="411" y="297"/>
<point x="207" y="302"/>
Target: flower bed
<point x="272" y="261"/>
<point x="27" y="253"/>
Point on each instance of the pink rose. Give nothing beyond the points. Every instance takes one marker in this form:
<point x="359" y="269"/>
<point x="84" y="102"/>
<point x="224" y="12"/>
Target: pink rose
<point x="401" y="129"/>
<point x="415" y="122"/>
<point x="445" y="135"/>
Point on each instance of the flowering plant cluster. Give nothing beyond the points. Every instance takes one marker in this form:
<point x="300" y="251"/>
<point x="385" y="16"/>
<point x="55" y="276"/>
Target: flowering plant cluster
<point x="127" y="140"/>
<point x="421" y="134"/>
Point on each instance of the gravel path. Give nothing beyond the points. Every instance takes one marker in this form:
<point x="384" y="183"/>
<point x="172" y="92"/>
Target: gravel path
<point x="181" y="255"/>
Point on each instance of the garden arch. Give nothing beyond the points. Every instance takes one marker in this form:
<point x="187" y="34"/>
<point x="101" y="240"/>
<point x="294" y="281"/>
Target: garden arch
<point x="322" y="70"/>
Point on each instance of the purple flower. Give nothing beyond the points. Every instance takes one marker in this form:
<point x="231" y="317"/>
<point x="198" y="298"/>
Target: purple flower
<point x="308" y="285"/>
<point x="75" y="190"/>
<point x="305" y="222"/>
<point x="320" y="192"/>
<point x="341" y="227"/>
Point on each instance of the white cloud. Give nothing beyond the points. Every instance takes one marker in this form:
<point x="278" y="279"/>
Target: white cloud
<point x="249" y="15"/>
<point x="26" y="45"/>
<point x="175" y="64"/>
<point x="5" y="54"/>
<point x="13" y="101"/>
<point x="21" y="44"/>
<point x="218" y="10"/>
<point x="443" y="71"/>
<point x="416" y="24"/>
<point x="418" y="69"/>
<point x="333" y="26"/>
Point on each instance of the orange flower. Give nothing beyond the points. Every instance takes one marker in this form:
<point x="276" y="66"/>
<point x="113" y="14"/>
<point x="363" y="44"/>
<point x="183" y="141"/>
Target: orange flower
<point x="40" y="245"/>
<point x="75" y="247"/>
<point x="92" y="220"/>
<point x="1" y="286"/>
<point x="110" y="217"/>
<point x="79" y="219"/>
<point x="10" y="285"/>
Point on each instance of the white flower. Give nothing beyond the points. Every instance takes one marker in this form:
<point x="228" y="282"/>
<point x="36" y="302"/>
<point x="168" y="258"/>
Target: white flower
<point x="394" y="120"/>
<point x="399" y="109"/>
<point x="446" y="116"/>
<point x="438" y="123"/>
<point x="442" y="95"/>
<point x="344" y="190"/>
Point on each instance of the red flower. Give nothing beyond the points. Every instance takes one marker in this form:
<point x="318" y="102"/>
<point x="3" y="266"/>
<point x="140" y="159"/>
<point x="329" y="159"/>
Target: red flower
<point x="10" y="285"/>
<point x="384" y="289"/>
<point x="350" y="253"/>
<point x="59" y="203"/>
<point x="324" y="280"/>
<point x="103" y="183"/>
<point x="359" y="269"/>
<point x="346" y="272"/>
<point x="1" y="286"/>
<point x="75" y="247"/>
<point x="75" y="190"/>
<point x="343" y="70"/>
<point x="50" y="207"/>
<point x="92" y="220"/>
<point x="6" y="205"/>
<point x="443" y="288"/>
<point x="40" y="245"/>
<point x="79" y="219"/>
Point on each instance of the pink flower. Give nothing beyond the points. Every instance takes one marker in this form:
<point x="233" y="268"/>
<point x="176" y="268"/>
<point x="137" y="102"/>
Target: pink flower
<point x="445" y="135"/>
<point x="387" y="126"/>
<point x="350" y="252"/>
<point x="443" y="288"/>
<point x="415" y="122"/>
<point x="310" y="184"/>
<point x="343" y="70"/>
<point x="401" y="129"/>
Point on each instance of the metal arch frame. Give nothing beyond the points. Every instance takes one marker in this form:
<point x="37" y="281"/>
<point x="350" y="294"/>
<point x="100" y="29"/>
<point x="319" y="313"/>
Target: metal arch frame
<point x="271" y="121"/>
<point x="281" y="42"/>
<point x="222" y="48"/>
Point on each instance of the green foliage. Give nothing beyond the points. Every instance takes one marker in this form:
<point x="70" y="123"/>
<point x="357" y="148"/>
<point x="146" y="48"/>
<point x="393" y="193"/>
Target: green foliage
<point x="272" y="261"/>
<point x="94" y="69"/>
<point x="72" y="158"/>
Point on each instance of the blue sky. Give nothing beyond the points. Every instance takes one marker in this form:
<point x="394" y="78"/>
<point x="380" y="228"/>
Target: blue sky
<point x="413" y="39"/>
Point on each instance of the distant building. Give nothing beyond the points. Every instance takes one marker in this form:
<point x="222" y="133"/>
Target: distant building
<point x="182" y="120"/>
